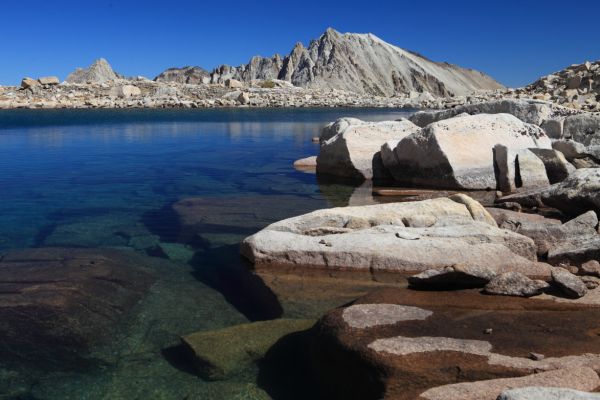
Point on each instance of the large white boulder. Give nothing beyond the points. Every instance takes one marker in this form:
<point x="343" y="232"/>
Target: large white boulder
<point x="458" y="152"/>
<point x="350" y="147"/>
<point x="397" y="237"/>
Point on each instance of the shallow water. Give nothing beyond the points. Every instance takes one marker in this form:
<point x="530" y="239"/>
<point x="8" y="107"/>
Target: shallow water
<point x="101" y="178"/>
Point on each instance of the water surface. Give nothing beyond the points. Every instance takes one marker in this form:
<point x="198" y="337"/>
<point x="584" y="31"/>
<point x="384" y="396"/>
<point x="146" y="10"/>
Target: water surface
<point x="106" y="178"/>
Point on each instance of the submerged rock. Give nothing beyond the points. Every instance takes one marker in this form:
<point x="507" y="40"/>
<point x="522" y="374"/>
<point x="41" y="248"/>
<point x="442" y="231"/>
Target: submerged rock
<point x="457" y="152"/>
<point x="351" y="148"/>
<point x="202" y="220"/>
<point x="221" y="353"/>
<point x="57" y="303"/>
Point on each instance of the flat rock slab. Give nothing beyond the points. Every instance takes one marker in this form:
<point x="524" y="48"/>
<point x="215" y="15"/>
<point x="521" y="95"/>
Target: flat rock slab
<point x="57" y="303"/>
<point x="400" y="237"/>
<point x="368" y="315"/>
<point x="222" y="353"/>
<point x="546" y="393"/>
<point x="469" y="337"/>
<point x="577" y="378"/>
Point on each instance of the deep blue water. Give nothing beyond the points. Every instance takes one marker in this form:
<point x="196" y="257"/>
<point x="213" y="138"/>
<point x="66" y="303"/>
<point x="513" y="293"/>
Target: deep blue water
<point x="83" y="178"/>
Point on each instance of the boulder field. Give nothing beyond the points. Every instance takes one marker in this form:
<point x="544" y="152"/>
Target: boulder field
<point x="506" y="145"/>
<point x="501" y="301"/>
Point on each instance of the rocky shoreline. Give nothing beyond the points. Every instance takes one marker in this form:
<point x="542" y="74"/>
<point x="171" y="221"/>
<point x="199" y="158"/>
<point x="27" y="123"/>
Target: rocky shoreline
<point x="482" y="283"/>
<point x="98" y="86"/>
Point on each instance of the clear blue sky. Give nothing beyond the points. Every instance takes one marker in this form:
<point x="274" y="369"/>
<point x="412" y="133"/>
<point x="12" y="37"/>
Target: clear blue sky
<point x="514" y="41"/>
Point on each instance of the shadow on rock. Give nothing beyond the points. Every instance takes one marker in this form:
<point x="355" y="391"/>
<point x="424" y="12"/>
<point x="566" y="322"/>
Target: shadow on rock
<point x="224" y="270"/>
<point x="179" y="359"/>
<point x="285" y="371"/>
<point x="163" y="222"/>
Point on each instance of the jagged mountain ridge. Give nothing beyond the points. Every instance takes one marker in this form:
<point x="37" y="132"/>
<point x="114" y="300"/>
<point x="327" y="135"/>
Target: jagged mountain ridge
<point x="360" y="63"/>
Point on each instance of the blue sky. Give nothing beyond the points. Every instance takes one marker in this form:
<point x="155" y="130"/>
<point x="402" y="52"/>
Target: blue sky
<point x="513" y="41"/>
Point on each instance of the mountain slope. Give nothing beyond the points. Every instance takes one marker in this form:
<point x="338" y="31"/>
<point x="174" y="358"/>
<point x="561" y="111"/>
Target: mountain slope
<point x="360" y="63"/>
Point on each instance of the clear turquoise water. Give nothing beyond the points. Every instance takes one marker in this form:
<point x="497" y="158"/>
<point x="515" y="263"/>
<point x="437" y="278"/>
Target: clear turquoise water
<point x="82" y="178"/>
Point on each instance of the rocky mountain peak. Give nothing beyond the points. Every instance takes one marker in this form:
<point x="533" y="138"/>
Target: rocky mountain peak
<point x="99" y="72"/>
<point x="361" y="63"/>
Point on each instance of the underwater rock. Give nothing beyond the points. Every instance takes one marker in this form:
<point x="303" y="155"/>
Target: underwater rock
<point x="221" y="353"/>
<point x="58" y="303"/>
<point x="201" y="218"/>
